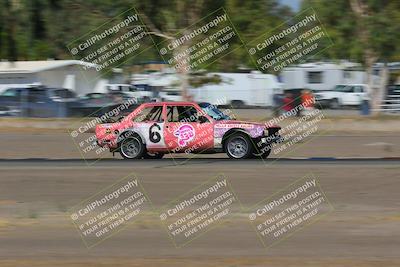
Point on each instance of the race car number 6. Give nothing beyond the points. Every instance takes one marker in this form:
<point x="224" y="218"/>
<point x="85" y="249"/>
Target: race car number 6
<point x="154" y="134"/>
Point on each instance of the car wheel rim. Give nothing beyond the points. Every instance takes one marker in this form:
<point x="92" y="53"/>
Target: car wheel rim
<point x="130" y="147"/>
<point x="238" y="147"/>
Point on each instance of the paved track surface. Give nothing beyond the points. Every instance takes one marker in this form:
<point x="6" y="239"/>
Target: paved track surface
<point x="19" y="145"/>
<point x="170" y="162"/>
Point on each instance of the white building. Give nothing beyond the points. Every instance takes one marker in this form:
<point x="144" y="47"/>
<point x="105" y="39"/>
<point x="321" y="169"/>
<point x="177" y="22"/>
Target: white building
<point x="163" y="80"/>
<point x="322" y="76"/>
<point x="68" y="74"/>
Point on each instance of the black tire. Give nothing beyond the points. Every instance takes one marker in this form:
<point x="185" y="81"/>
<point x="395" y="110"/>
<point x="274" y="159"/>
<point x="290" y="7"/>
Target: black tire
<point x="237" y="104"/>
<point x="335" y="104"/>
<point x="238" y="146"/>
<point x="265" y="154"/>
<point x="132" y="147"/>
<point x="148" y="155"/>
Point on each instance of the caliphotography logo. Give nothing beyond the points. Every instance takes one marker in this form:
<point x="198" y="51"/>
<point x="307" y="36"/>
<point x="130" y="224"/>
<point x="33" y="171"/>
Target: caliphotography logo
<point x="199" y="211"/>
<point x="108" y="212"/>
<point x="284" y="213"/>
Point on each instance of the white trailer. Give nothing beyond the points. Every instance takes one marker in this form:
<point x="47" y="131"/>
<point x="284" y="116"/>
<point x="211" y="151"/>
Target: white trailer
<point x="239" y="89"/>
<point x="322" y="76"/>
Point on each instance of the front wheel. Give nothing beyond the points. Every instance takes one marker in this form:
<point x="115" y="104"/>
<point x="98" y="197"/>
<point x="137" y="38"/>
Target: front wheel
<point x="263" y="153"/>
<point x="238" y="146"/>
<point x="132" y="148"/>
<point x="237" y="104"/>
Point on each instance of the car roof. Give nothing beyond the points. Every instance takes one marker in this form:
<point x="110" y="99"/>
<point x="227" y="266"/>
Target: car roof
<point x="171" y="103"/>
<point x="352" y="84"/>
<point x="57" y="89"/>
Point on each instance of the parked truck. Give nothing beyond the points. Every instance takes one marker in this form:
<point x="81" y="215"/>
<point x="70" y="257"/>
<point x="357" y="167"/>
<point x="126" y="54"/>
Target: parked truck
<point x="342" y="95"/>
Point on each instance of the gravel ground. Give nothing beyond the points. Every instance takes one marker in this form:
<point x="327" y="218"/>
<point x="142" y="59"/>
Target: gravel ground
<point x="35" y="228"/>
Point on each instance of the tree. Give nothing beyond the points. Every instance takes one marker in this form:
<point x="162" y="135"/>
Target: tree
<point x="166" y="21"/>
<point x="43" y="28"/>
<point x="9" y="17"/>
<point x="379" y="36"/>
<point x="363" y="30"/>
<point x="251" y="18"/>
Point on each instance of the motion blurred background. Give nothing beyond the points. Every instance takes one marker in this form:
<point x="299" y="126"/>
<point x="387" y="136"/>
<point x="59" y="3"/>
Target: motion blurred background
<point x="45" y="90"/>
<point x="37" y="66"/>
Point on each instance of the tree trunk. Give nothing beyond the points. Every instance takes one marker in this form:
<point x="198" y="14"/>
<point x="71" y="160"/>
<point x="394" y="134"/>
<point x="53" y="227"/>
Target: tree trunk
<point x="12" y="53"/>
<point x="361" y="11"/>
<point x="369" y="64"/>
<point x="183" y="68"/>
<point x="381" y="89"/>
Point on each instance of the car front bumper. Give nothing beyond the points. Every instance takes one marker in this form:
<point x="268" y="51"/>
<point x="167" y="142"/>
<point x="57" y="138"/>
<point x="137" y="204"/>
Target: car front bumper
<point x="272" y="139"/>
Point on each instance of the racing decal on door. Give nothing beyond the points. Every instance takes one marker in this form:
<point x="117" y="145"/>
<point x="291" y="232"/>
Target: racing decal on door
<point x="185" y="134"/>
<point x="155" y="133"/>
<point x="152" y="133"/>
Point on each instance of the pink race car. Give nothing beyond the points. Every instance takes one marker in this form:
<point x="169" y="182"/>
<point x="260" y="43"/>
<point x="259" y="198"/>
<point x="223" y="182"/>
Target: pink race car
<point x="154" y="129"/>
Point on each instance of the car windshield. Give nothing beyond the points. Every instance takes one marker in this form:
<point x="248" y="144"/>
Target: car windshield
<point x="64" y="93"/>
<point x="340" y="88"/>
<point x="214" y="112"/>
<point x="11" y="92"/>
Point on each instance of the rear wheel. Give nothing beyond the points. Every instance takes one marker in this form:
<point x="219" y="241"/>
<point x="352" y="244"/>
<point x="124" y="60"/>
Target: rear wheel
<point x="335" y="104"/>
<point x="132" y="148"/>
<point x="238" y="146"/>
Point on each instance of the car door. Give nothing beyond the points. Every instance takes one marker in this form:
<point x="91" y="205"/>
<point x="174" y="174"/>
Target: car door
<point x="39" y="103"/>
<point x="149" y="122"/>
<point x="186" y="130"/>
<point x="354" y="96"/>
<point x="11" y="101"/>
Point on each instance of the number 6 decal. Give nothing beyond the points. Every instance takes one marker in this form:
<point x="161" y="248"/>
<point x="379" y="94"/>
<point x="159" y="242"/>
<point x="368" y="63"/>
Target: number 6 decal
<point x="154" y="133"/>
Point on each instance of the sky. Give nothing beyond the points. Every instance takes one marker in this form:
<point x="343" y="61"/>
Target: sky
<point x="294" y="4"/>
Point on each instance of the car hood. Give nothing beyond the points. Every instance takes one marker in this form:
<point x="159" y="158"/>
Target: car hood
<point x="244" y="124"/>
<point x="327" y="93"/>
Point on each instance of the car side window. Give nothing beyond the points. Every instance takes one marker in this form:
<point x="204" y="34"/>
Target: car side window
<point x="172" y="114"/>
<point x="359" y="89"/>
<point x="10" y="92"/>
<point x="150" y="114"/>
<point x="187" y="114"/>
<point x="182" y="114"/>
<point x="37" y="95"/>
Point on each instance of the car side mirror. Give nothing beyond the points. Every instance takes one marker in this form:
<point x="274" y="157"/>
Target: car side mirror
<point x="203" y="119"/>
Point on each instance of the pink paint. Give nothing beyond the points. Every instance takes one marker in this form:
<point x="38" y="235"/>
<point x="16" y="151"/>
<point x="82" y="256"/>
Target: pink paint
<point x="185" y="134"/>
